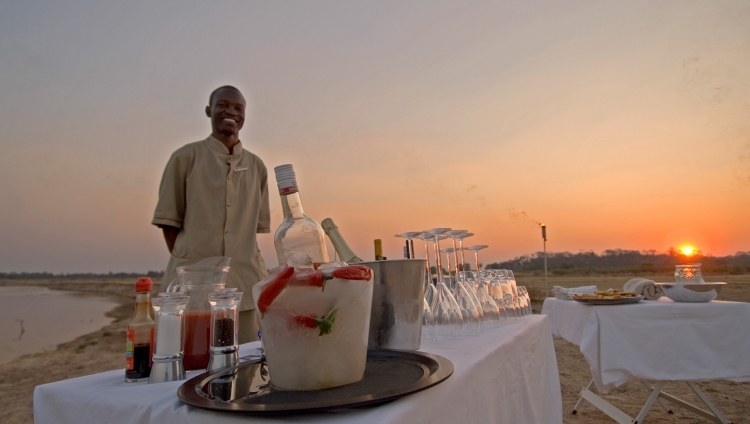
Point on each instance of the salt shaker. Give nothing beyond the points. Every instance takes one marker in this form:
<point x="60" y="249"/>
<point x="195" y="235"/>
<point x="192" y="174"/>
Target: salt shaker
<point x="224" y="329"/>
<point x="169" y="310"/>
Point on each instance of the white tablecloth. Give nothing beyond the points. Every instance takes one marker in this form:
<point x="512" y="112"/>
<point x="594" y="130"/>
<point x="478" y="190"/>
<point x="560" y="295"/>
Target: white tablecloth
<point x="507" y="375"/>
<point x="657" y="340"/>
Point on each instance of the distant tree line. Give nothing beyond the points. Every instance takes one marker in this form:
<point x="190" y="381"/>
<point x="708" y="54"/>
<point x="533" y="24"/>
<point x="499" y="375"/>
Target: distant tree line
<point x="618" y="261"/>
<point x="77" y="276"/>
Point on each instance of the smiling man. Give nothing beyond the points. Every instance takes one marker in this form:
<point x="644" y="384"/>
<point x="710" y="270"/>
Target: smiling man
<point x="213" y="199"/>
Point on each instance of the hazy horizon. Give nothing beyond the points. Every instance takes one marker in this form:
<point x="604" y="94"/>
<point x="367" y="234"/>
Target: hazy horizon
<point x="617" y="124"/>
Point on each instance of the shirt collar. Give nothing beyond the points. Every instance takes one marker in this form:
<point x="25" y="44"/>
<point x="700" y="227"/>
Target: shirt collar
<point x="219" y="147"/>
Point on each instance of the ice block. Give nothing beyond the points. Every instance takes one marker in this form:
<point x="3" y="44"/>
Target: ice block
<point x="314" y="323"/>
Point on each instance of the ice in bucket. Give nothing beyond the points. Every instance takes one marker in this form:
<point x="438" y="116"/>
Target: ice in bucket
<point x="314" y="323"/>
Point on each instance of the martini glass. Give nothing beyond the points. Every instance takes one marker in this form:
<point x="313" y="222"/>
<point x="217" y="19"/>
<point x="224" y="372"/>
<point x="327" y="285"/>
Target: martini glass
<point x="409" y="235"/>
<point x="445" y="309"/>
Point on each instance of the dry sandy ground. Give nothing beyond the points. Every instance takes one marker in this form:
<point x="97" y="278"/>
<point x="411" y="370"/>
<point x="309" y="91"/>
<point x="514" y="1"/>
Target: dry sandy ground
<point x="103" y="351"/>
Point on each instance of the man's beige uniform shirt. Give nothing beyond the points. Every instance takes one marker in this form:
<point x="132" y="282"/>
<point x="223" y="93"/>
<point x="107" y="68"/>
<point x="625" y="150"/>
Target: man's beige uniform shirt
<point x="219" y="201"/>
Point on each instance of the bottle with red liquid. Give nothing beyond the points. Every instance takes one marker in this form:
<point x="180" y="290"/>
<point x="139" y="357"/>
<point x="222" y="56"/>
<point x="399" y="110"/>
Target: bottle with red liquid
<point x="139" y="346"/>
<point x="198" y="281"/>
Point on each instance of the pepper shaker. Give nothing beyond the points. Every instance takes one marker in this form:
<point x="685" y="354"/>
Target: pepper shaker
<point x="224" y="329"/>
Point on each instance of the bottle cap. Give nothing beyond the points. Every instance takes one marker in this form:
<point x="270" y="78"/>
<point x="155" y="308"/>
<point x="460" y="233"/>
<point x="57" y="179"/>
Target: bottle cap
<point x="143" y="284"/>
<point x="286" y="179"/>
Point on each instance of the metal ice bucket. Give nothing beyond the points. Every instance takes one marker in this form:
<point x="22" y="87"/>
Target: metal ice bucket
<point x="397" y="301"/>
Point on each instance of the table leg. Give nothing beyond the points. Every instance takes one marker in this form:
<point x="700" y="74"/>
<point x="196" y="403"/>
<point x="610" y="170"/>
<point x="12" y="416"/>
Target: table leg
<point x="651" y="399"/>
<point x="581" y="399"/>
<point x="656" y="395"/>
<point x="720" y="418"/>
<point x="606" y="407"/>
<point x="659" y="399"/>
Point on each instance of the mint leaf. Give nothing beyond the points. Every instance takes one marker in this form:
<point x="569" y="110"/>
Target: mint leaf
<point x="326" y="323"/>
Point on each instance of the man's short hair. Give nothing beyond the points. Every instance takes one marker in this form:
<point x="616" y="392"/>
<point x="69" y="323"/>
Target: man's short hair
<point x="223" y="87"/>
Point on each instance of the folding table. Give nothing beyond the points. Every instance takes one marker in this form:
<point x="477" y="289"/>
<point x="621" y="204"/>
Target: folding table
<point x="657" y="341"/>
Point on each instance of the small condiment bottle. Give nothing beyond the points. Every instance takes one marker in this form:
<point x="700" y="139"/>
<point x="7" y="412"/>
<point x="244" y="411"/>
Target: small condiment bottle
<point x="140" y="341"/>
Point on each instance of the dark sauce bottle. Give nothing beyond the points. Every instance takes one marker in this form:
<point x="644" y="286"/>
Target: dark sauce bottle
<point x="139" y="347"/>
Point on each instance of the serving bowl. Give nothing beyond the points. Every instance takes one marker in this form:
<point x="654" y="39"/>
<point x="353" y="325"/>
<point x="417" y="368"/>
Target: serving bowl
<point x="693" y="293"/>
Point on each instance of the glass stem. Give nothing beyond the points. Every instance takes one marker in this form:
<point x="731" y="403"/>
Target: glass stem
<point x="438" y="265"/>
<point x="448" y="256"/>
<point x="463" y="261"/>
<point x="455" y="256"/>
<point x="427" y="264"/>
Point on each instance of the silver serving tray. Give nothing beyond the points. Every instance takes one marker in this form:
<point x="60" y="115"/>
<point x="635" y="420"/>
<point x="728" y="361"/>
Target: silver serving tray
<point x="620" y="301"/>
<point x="245" y="388"/>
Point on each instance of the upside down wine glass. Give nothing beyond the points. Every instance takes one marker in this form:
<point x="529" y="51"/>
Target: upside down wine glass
<point x="460" y="238"/>
<point x="466" y="300"/>
<point x="476" y="250"/>
<point x="453" y="234"/>
<point x="445" y="309"/>
<point x="409" y="235"/>
<point x="429" y="290"/>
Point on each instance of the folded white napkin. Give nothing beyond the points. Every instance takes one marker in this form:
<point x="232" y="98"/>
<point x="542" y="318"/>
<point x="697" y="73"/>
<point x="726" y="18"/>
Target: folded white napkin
<point x="565" y="293"/>
<point x="644" y="287"/>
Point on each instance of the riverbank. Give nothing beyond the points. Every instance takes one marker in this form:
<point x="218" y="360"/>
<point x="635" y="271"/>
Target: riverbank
<point x="95" y="352"/>
<point x="103" y="350"/>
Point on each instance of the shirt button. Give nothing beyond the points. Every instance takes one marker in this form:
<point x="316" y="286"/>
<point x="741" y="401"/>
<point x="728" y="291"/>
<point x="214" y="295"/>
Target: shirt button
<point x="229" y="177"/>
<point x="229" y="204"/>
<point x="226" y="233"/>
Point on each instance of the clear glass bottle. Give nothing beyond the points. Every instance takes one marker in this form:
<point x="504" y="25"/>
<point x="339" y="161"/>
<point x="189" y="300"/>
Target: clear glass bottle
<point x="298" y="233"/>
<point x="140" y="343"/>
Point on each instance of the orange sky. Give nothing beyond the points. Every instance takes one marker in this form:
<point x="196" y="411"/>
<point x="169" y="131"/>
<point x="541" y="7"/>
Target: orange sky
<point x="617" y="124"/>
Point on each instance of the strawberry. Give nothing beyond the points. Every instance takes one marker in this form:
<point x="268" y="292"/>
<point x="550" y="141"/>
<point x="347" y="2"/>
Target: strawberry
<point x="324" y="323"/>
<point x="353" y="272"/>
<point x="307" y="277"/>
<point x="307" y="322"/>
<point x="274" y="288"/>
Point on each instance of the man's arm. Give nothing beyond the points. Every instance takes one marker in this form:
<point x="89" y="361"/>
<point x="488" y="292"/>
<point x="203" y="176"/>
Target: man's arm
<point x="170" y="235"/>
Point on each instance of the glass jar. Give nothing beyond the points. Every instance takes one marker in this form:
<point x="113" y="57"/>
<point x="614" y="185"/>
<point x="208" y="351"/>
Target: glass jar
<point x="688" y="274"/>
<point x="169" y="309"/>
<point x="198" y="281"/>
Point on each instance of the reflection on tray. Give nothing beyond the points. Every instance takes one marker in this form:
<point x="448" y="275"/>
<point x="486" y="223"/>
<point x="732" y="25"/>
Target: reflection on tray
<point x="238" y="383"/>
<point x="246" y="387"/>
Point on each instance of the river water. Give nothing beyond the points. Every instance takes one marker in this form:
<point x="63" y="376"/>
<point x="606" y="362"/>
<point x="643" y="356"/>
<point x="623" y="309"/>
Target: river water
<point x="34" y="319"/>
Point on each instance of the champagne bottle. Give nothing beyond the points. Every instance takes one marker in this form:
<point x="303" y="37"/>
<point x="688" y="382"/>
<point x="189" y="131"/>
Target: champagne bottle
<point x="379" y="250"/>
<point x="297" y="233"/>
<point x="345" y="252"/>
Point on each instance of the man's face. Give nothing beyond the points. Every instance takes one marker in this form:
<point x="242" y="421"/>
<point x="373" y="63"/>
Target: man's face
<point x="227" y="112"/>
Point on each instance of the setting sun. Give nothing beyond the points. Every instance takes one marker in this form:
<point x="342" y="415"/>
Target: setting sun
<point x="687" y="250"/>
